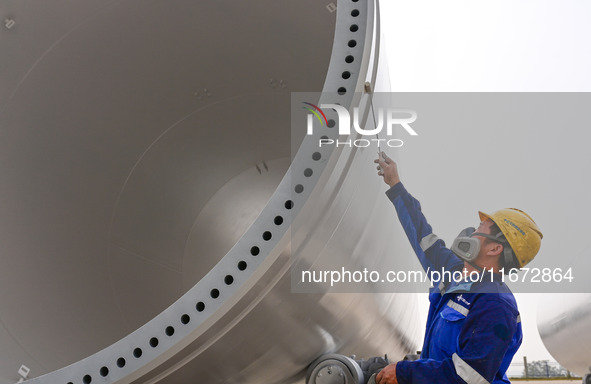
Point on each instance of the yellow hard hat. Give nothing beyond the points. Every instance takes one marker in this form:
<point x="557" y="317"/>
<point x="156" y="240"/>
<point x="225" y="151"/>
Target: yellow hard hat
<point x="520" y="230"/>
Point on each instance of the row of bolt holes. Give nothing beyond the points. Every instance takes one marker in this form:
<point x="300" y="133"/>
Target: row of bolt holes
<point x="215" y="293"/>
<point x="254" y="251"/>
<point x="352" y="44"/>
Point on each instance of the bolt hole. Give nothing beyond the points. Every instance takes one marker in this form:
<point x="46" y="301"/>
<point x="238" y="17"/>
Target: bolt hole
<point x="121" y="362"/>
<point x="278" y="220"/>
<point x="169" y="331"/>
<point x="153" y="342"/>
<point x="185" y="319"/>
<point x="214" y="293"/>
<point x="104" y="371"/>
<point x="342" y="90"/>
<point x="316" y="156"/>
<point x="242" y="265"/>
<point x="346" y="75"/>
<point x="137" y="353"/>
<point x="299" y="188"/>
<point x="200" y="306"/>
<point x="354" y="28"/>
<point x="349" y="59"/>
<point x="352" y="43"/>
<point x="87" y="379"/>
<point x="267" y="236"/>
<point x="288" y="204"/>
<point x="228" y="280"/>
<point x="255" y="251"/>
<point x="355" y="13"/>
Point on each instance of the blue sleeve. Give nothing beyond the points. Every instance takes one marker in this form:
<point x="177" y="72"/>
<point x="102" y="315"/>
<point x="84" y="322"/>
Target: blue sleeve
<point x="431" y="250"/>
<point x="484" y="340"/>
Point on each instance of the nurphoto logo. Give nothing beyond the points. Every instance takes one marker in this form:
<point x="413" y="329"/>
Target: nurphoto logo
<point x="388" y="118"/>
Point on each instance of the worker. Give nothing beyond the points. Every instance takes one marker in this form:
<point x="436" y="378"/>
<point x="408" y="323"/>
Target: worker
<point x="473" y="328"/>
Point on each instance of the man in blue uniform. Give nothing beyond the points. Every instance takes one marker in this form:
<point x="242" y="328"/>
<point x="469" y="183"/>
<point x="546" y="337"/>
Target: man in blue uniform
<point x="473" y="328"/>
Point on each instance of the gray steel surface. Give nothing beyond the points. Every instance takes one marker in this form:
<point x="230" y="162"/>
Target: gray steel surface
<point x="564" y="323"/>
<point x="145" y="151"/>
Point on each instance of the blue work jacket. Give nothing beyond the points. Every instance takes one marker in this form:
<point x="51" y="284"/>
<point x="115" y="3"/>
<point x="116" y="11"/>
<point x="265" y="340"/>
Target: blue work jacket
<point x="473" y="329"/>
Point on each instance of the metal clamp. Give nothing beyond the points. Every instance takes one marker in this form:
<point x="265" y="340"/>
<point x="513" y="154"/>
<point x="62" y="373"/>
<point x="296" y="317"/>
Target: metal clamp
<point x="334" y="369"/>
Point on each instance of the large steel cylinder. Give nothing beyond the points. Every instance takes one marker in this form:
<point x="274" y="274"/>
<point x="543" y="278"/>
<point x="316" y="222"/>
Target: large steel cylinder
<point x="147" y="191"/>
<point x="565" y="327"/>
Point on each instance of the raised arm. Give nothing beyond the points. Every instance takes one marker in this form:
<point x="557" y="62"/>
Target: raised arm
<point x="430" y="250"/>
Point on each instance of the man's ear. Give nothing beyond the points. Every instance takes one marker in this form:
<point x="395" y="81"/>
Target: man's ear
<point x="496" y="249"/>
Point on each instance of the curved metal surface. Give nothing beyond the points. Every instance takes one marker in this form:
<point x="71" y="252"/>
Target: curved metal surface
<point x="147" y="163"/>
<point x="565" y="327"/>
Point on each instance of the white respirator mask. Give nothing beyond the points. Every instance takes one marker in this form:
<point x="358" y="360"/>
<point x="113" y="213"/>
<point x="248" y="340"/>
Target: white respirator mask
<point x="466" y="247"/>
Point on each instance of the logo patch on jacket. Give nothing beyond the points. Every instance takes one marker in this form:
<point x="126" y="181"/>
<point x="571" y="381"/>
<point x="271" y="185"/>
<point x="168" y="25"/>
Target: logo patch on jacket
<point x="461" y="298"/>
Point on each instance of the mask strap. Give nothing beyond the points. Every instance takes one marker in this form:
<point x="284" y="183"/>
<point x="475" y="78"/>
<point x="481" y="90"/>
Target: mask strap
<point x="498" y="238"/>
<point x="509" y="260"/>
<point x="480" y="269"/>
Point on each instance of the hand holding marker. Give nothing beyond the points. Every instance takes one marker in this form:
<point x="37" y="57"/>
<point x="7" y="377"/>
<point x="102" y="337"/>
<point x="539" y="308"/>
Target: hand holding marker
<point x="388" y="169"/>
